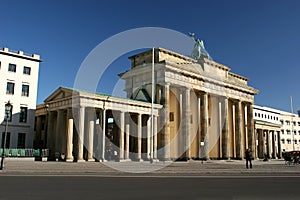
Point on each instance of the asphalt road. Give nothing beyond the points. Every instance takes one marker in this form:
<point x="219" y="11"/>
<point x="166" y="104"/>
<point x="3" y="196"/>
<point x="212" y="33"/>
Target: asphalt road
<point x="31" y="187"/>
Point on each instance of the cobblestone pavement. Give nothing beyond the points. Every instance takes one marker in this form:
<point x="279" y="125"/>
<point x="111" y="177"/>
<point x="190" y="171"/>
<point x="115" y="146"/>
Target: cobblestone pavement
<point x="191" y="168"/>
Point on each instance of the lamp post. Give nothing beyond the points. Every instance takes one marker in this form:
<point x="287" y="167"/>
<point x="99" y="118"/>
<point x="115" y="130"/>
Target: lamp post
<point x="8" y="107"/>
<point x="202" y="145"/>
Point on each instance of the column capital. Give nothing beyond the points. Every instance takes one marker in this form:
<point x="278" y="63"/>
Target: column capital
<point x="165" y="84"/>
<point x="236" y="100"/>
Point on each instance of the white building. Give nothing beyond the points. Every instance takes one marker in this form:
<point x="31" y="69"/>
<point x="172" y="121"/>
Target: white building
<point x="290" y="131"/>
<point x="276" y="131"/>
<point x="267" y="129"/>
<point x="19" y="82"/>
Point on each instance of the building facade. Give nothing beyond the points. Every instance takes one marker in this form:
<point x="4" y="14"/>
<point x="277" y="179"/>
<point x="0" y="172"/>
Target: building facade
<point x="202" y="111"/>
<point x="19" y="82"/>
<point x="207" y="110"/>
<point x="290" y="131"/>
<point x="276" y="131"/>
<point x="80" y="126"/>
<point x="267" y="128"/>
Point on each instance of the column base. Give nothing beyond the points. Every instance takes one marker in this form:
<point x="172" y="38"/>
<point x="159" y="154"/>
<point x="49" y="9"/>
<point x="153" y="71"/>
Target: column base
<point x="155" y="160"/>
<point x="140" y="160"/>
<point x="166" y="160"/>
<point x="80" y="161"/>
<point x="91" y="160"/>
<point x="124" y="160"/>
<point x="69" y="160"/>
<point x="44" y="159"/>
<point x="226" y="158"/>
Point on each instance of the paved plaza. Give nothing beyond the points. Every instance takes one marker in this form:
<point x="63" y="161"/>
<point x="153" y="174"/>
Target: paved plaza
<point x="214" y="179"/>
<point x="191" y="168"/>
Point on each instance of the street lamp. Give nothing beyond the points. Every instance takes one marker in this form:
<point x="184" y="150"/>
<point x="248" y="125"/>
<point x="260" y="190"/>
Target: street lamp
<point x="8" y="107"/>
<point x="202" y="145"/>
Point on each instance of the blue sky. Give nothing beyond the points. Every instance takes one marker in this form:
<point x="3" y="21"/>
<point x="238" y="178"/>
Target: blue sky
<point x="256" y="39"/>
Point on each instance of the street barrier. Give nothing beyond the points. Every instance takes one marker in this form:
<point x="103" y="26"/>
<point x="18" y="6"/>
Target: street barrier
<point x="25" y="152"/>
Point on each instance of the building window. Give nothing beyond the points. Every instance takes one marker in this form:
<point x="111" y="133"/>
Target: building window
<point x="282" y="131"/>
<point x="288" y="141"/>
<point x="171" y="116"/>
<point x="10" y="88"/>
<point x="25" y="90"/>
<point x="26" y="70"/>
<point x="12" y="68"/>
<point x="282" y="141"/>
<point x="23" y="114"/>
<point x="287" y="122"/>
<point x="0" y="65"/>
<point x="258" y="114"/>
<point x="7" y="141"/>
<point x="294" y="123"/>
<point x="295" y="141"/>
<point x="21" y="140"/>
<point x="281" y="121"/>
<point x="255" y="114"/>
<point x="288" y="132"/>
<point x="298" y="123"/>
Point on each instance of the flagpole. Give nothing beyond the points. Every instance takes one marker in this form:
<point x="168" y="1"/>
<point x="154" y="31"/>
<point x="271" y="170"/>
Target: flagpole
<point x="292" y="110"/>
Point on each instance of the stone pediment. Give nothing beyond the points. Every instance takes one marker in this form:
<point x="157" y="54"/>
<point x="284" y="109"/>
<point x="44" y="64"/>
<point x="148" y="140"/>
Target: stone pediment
<point x="60" y="93"/>
<point x="141" y="95"/>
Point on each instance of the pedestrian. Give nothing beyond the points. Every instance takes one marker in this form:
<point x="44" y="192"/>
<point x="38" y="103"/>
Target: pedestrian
<point x="248" y="158"/>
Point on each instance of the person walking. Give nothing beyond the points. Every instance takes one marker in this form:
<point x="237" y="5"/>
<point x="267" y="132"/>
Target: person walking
<point x="248" y="158"/>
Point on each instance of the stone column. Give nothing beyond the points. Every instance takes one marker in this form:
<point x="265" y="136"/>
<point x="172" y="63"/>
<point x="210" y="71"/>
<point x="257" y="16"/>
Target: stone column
<point x="267" y="143"/>
<point x="58" y="132"/>
<point x="233" y="130"/>
<point x="273" y="145"/>
<point x="166" y="122"/>
<point x="204" y="127"/>
<point x="81" y="118"/>
<point x="139" y="136"/>
<point x="127" y="141"/>
<point x="90" y="144"/>
<point x="186" y="102"/>
<point x="225" y="130"/>
<point x="69" y="155"/>
<point x="279" y="144"/>
<point x="155" y="137"/>
<point x="149" y="138"/>
<point x="122" y="124"/>
<point x="238" y="130"/>
<point x="199" y="128"/>
<point x="50" y="135"/>
<point x="250" y="128"/>
<point x="261" y="143"/>
<point x="38" y="133"/>
<point x="103" y="135"/>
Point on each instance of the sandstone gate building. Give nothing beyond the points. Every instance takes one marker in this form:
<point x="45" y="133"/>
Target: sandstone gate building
<point x="201" y="110"/>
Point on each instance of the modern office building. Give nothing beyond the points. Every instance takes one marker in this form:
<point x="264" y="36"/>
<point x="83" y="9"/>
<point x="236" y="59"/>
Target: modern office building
<point x="201" y="110"/>
<point x="19" y="81"/>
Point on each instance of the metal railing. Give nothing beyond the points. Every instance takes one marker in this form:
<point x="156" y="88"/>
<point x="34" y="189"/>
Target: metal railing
<point x="25" y="152"/>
